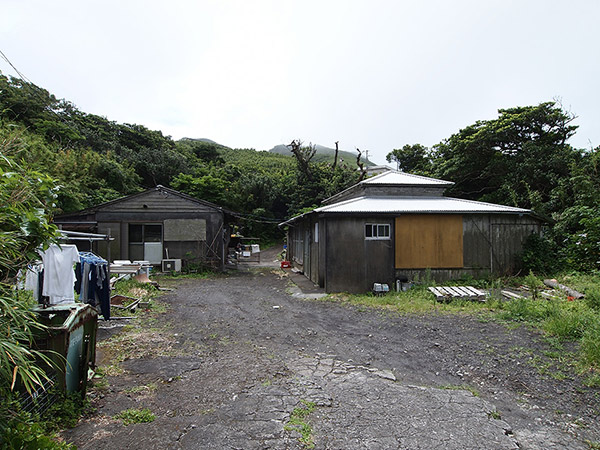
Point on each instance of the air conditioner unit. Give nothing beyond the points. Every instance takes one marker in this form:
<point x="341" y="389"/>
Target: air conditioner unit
<point x="171" y="265"/>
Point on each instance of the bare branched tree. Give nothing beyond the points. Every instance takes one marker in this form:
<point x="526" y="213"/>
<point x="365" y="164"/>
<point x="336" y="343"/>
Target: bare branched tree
<point x="361" y="166"/>
<point x="303" y="156"/>
<point x="335" y="157"/>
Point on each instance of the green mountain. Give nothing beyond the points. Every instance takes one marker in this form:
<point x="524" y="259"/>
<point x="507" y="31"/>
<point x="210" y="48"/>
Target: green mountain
<point x="325" y="154"/>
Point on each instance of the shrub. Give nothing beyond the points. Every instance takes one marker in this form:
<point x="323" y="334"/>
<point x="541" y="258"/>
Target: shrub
<point x="539" y="254"/>
<point x="534" y="284"/>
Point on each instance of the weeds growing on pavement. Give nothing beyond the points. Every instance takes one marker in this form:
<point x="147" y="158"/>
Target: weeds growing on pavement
<point x="133" y="415"/>
<point x="297" y="422"/>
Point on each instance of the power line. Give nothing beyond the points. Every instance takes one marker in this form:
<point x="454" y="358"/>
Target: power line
<point x="253" y="218"/>
<point x="23" y="77"/>
<point x="36" y="92"/>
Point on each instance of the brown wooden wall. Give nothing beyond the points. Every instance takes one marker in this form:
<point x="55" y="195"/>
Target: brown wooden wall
<point x="429" y="241"/>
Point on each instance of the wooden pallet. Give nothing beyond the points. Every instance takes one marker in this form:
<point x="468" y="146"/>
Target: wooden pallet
<point x="445" y="293"/>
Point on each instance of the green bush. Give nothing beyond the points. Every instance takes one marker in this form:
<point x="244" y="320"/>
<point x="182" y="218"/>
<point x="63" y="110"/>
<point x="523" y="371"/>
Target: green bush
<point x="534" y="284"/>
<point x="30" y="436"/>
<point x="539" y="255"/>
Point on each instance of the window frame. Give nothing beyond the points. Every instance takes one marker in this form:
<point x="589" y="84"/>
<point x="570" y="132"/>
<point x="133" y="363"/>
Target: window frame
<point x="375" y="232"/>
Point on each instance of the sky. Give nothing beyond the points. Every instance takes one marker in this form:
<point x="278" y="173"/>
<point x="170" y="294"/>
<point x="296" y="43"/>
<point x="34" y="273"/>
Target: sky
<point x="373" y="75"/>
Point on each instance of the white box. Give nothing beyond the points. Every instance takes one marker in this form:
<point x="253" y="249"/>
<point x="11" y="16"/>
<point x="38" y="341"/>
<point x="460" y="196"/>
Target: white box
<point x="171" y="265"/>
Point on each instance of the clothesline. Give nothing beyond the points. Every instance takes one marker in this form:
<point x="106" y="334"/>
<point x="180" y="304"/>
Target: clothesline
<point x="81" y="236"/>
<point x="54" y="280"/>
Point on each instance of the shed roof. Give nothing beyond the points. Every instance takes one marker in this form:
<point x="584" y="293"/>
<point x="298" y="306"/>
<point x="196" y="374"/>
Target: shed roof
<point x="394" y="177"/>
<point x="361" y="205"/>
<point x="159" y="188"/>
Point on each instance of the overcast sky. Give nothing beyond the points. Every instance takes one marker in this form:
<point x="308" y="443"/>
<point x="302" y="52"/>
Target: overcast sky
<point x="375" y="74"/>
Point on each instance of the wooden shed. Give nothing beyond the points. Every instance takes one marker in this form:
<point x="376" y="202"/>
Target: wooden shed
<point x="396" y="226"/>
<point x="154" y="225"/>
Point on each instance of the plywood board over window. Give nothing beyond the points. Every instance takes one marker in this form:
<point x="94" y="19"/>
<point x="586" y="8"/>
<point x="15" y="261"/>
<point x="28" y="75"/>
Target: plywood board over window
<point x="185" y="230"/>
<point x="429" y="241"/>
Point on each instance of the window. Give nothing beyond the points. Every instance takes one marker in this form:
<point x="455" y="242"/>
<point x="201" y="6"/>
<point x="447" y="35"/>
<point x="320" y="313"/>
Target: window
<point x="139" y="233"/>
<point x="377" y="231"/>
<point x="143" y="237"/>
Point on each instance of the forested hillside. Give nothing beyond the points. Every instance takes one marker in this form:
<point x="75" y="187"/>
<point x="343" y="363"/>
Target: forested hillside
<point x="94" y="160"/>
<point x="522" y="158"/>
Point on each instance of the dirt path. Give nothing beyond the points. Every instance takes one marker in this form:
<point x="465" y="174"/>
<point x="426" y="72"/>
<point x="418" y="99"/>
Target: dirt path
<point x="243" y="353"/>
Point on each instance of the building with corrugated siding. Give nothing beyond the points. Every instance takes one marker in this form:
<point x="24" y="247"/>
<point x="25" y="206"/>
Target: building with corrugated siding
<point x="157" y="224"/>
<point x="399" y="226"/>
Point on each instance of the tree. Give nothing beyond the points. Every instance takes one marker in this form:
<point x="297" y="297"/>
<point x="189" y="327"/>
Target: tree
<point x="519" y="158"/>
<point x="411" y="159"/>
<point x="303" y="155"/>
<point x="314" y="182"/>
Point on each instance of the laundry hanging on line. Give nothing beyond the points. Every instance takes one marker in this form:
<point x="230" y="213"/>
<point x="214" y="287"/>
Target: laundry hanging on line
<point x="92" y="282"/>
<point x="54" y="281"/>
<point x="59" y="277"/>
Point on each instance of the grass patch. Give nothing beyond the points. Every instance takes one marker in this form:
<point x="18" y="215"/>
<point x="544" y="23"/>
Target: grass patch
<point x="561" y="320"/>
<point x="494" y="415"/>
<point x="297" y="422"/>
<point x="133" y="288"/>
<point x="462" y="387"/>
<point x="417" y="300"/>
<point x="144" y="389"/>
<point x="132" y="415"/>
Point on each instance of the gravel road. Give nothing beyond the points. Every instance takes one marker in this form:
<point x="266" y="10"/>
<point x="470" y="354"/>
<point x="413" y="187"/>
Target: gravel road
<point x="248" y="352"/>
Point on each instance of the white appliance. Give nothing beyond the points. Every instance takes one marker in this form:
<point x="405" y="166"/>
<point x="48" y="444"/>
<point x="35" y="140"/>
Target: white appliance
<point x="171" y="265"/>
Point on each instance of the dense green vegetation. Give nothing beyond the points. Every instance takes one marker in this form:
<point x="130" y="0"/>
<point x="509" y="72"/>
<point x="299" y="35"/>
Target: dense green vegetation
<point x="25" y="196"/>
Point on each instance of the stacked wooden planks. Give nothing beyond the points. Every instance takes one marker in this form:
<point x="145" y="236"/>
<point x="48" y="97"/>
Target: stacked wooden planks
<point x="444" y="293"/>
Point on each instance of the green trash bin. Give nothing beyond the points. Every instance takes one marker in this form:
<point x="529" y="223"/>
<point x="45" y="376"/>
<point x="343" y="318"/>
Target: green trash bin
<point x="71" y="334"/>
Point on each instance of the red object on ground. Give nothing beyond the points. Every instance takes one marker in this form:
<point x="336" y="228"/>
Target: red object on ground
<point x="285" y="264"/>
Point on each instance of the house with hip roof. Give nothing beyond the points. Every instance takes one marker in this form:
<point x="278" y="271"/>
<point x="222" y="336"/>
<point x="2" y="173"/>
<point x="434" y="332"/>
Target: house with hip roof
<point x="398" y="226"/>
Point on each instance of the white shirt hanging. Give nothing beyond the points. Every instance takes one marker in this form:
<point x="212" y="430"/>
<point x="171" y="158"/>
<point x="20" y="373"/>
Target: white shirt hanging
<point x="59" y="275"/>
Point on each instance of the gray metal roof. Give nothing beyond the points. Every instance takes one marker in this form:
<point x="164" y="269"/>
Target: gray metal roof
<point x="363" y="205"/>
<point x="401" y="178"/>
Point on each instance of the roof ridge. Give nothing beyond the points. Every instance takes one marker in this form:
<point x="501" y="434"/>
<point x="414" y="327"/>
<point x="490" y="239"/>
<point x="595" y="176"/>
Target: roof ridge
<point x="405" y="174"/>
